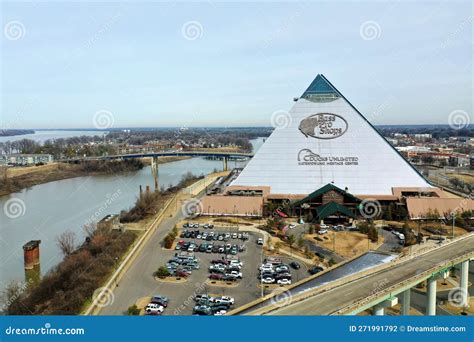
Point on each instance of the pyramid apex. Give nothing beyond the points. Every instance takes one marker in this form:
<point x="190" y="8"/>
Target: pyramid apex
<point x="321" y="90"/>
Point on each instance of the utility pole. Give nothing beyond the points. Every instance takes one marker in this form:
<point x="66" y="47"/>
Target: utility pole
<point x="334" y="241"/>
<point x="453" y="214"/>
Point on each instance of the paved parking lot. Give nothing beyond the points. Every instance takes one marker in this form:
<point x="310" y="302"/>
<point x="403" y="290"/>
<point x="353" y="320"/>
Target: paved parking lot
<point x="243" y="291"/>
<point x="181" y="294"/>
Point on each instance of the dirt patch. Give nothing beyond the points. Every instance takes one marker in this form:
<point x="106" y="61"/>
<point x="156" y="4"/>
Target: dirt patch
<point x="221" y="283"/>
<point x="458" y="310"/>
<point x="346" y="244"/>
<point x="172" y="279"/>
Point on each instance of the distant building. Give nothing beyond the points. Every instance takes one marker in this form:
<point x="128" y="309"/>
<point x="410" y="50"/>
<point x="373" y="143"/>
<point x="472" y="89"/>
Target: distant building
<point x="19" y="159"/>
<point x="460" y="160"/>
<point x="110" y="222"/>
<point x="422" y="137"/>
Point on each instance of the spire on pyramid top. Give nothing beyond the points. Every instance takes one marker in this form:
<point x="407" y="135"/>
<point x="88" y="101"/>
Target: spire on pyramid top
<point x="320" y="90"/>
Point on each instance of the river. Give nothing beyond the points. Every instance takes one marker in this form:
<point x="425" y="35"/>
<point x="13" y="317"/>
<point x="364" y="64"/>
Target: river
<point x="41" y="136"/>
<point x="49" y="209"/>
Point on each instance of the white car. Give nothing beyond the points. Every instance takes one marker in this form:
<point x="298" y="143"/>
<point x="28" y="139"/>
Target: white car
<point x="235" y="274"/>
<point x="154" y="309"/>
<point x="323" y="226"/>
<point x="322" y="231"/>
<point x="282" y="268"/>
<point x="217" y="267"/>
<point x="236" y="263"/>
<point x="220" y="313"/>
<point x="291" y="226"/>
<point x="266" y="267"/>
<point x="227" y="299"/>
<point x="260" y="241"/>
<point x="268" y="280"/>
<point x="284" y="281"/>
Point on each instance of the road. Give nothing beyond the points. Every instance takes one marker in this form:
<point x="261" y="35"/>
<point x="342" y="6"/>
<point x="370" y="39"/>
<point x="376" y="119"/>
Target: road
<point x="332" y="300"/>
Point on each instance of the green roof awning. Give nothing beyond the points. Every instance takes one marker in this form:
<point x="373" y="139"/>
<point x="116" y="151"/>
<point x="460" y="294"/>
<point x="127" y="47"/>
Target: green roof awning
<point x="332" y="208"/>
<point x="323" y="190"/>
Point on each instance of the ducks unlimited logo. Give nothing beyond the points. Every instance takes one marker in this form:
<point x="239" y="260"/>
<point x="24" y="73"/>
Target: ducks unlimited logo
<point x="308" y="157"/>
<point x="323" y="126"/>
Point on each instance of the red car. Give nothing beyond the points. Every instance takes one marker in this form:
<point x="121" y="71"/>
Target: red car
<point x="181" y="273"/>
<point x="215" y="276"/>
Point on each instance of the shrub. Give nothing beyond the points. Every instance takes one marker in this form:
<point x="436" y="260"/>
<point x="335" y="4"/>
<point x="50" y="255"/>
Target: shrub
<point x="66" y="287"/>
<point x="133" y="310"/>
<point x="162" y="272"/>
<point x="168" y="241"/>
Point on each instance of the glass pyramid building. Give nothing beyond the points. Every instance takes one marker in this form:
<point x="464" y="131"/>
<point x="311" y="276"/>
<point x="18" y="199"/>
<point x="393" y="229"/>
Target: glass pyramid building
<point x="325" y="140"/>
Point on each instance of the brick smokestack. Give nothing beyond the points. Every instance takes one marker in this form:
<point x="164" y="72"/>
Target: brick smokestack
<point x="31" y="254"/>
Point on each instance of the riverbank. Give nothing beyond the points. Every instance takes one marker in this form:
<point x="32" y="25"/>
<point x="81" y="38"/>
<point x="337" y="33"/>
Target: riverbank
<point x="19" y="178"/>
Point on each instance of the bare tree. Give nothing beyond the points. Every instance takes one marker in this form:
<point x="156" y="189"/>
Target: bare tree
<point x="65" y="242"/>
<point x="89" y="229"/>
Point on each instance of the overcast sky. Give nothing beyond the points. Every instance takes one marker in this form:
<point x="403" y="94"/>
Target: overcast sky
<point x="210" y="63"/>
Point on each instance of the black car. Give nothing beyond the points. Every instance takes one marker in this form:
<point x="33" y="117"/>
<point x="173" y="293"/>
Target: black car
<point x="219" y="307"/>
<point x="294" y="265"/>
<point x="159" y="301"/>
<point x="315" y="269"/>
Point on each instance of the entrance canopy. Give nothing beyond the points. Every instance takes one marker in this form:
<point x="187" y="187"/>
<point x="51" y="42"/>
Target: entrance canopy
<point x="333" y="208"/>
<point x="326" y="194"/>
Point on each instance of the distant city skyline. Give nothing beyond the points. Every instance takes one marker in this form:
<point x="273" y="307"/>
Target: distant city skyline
<point x="125" y="65"/>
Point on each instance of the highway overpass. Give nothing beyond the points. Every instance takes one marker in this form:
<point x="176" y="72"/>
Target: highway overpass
<point x="155" y="155"/>
<point x="377" y="288"/>
<point x="165" y="154"/>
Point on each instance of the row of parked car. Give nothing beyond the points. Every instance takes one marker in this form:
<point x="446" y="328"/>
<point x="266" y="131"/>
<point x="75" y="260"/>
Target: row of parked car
<point x="225" y="269"/>
<point x="206" y="247"/>
<point x="197" y="225"/>
<point x="182" y="265"/>
<point x="213" y="236"/>
<point x="157" y="305"/>
<point x="323" y="228"/>
<point x="274" y="271"/>
<point x="207" y="305"/>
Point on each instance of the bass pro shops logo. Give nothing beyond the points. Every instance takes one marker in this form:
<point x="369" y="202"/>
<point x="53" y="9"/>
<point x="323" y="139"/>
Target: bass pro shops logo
<point x="323" y="126"/>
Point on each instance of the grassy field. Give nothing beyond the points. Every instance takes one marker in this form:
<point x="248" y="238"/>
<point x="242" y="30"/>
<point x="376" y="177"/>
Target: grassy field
<point x="346" y="244"/>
